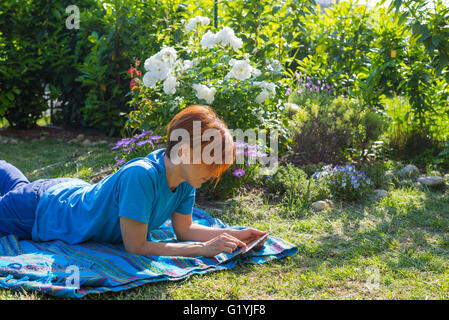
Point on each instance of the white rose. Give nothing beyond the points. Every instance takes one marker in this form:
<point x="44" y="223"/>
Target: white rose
<point x="241" y="70"/>
<point x="204" y="92"/>
<point x="256" y="72"/>
<point x="148" y="62"/>
<point x="148" y="80"/>
<point x="236" y="43"/>
<point x="158" y="70"/>
<point x="188" y="64"/>
<point x="168" y="54"/>
<point x="227" y="37"/>
<point x="170" y="85"/>
<point x="264" y="95"/>
<point x="193" y="22"/>
<point x="208" y="40"/>
<point x="269" y="86"/>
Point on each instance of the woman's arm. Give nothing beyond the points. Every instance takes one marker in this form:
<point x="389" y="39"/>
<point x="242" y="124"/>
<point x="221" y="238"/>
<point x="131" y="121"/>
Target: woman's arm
<point x="186" y="230"/>
<point x="134" y="236"/>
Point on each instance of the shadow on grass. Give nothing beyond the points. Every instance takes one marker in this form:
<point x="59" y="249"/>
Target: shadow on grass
<point x="410" y="227"/>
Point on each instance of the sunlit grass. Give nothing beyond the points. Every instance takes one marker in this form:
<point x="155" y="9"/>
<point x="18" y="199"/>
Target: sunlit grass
<point x="402" y="238"/>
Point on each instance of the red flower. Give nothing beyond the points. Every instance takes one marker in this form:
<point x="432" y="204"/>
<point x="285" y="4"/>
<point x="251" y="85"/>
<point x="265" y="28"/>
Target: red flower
<point x="133" y="71"/>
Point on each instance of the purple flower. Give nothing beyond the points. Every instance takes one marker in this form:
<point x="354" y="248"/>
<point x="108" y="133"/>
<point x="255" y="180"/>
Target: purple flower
<point x="288" y="91"/>
<point x="256" y="154"/>
<point x="239" y="151"/>
<point x="143" y="134"/>
<point x="155" y="137"/>
<point x="299" y="91"/>
<point x="120" y="162"/>
<point x="144" y="142"/>
<point x="240" y="143"/>
<point x="122" y="143"/>
<point x="238" y="172"/>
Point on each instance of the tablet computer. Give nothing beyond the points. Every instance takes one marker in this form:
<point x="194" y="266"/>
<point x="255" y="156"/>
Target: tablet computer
<point x="224" y="257"/>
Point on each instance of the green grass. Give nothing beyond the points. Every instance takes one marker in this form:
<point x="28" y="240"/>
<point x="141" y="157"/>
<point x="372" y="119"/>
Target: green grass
<point x="398" y="244"/>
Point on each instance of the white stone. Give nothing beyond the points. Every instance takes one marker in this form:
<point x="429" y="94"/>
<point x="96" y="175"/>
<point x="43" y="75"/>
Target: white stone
<point x="86" y="142"/>
<point x="431" y="181"/>
<point x="408" y="171"/>
<point x="330" y="203"/>
<point x="80" y="137"/>
<point x="380" y="193"/>
<point x="322" y="204"/>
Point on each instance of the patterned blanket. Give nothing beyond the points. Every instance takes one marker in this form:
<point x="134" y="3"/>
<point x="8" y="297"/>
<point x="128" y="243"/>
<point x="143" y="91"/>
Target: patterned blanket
<point x="74" y="271"/>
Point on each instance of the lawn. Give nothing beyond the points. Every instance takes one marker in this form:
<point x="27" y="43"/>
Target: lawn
<point x="396" y="247"/>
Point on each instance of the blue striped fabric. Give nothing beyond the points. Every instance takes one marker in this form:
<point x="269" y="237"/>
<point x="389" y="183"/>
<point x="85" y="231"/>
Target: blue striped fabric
<point x="74" y="271"/>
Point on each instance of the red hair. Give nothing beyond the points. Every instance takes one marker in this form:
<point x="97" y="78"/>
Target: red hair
<point x="209" y="120"/>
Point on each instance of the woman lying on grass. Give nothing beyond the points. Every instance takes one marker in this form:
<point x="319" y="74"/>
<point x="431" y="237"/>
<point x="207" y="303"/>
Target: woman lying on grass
<point x="126" y="205"/>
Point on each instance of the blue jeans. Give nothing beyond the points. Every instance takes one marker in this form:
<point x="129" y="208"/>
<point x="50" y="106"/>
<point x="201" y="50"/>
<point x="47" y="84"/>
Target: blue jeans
<point x="18" y="200"/>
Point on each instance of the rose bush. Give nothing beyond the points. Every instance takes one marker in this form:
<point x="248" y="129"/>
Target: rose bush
<point x="209" y="68"/>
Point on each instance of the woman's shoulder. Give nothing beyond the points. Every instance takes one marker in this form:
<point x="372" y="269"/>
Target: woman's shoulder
<point x="139" y="167"/>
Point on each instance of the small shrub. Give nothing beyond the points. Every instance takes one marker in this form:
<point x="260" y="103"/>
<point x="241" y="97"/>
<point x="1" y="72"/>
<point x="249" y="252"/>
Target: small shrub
<point x="376" y="172"/>
<point x="345" y="182"/>
<point x="292" y="182"/>
<point x="331" y="132"/>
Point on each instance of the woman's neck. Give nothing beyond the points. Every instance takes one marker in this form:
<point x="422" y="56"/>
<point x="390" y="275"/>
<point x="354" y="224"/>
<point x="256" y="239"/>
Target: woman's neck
<point x="173" y="173"/>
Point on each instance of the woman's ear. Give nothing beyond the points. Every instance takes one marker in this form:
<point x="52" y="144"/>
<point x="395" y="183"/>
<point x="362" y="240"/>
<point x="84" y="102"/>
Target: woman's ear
<point x="184" y="154"/>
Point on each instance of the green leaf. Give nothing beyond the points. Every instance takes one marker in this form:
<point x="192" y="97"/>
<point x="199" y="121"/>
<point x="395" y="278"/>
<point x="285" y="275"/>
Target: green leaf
<point x="56" y="13"/>
<point x="397" y="3"/>
<point x="275" y="10"/>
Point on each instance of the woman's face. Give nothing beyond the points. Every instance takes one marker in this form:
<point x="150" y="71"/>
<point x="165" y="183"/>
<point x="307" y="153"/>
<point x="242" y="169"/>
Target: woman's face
<point x="197" y="174"/>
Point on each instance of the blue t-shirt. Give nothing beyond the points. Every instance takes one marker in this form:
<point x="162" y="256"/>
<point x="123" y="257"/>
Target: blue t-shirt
<point x="77" y="211"/>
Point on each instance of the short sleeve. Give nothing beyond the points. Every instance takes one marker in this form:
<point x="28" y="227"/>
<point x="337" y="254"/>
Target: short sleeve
<point x="188" y="201"/>
<point x="136" y="194"/>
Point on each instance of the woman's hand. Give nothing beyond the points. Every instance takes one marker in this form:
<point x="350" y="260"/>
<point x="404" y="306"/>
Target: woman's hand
<point x="222" y="243"/>
<point x="248" y="235"/>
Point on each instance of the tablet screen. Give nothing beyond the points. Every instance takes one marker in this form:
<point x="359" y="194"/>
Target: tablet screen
<point x="222" y="257"/>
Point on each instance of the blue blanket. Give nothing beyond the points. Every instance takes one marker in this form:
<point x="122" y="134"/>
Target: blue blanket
<point x="74" y="271"/>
